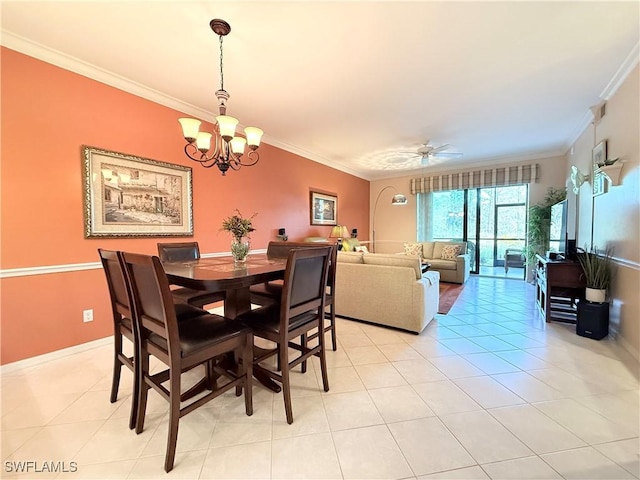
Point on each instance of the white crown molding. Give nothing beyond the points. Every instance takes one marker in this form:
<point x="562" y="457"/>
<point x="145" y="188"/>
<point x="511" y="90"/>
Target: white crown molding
<point x="622" y="73"/>
<point x="67" y="62"/>
<point x="312" y="156"/>
<point x="616" y="81"/>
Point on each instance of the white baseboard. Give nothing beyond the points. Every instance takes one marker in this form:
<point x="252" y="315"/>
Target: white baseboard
<point x="47" y="357"/>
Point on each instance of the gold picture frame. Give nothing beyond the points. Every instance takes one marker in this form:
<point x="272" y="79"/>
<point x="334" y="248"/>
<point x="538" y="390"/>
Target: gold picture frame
<point x="130" y="196"/>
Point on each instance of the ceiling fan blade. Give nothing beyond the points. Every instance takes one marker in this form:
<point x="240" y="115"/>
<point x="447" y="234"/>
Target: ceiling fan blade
<point x="440" y="148"/>
<point x="447" y="154"/>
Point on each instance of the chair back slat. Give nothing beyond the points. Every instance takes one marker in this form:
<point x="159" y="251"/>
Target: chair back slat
<point x="282" y="249"/>
<point x="179" y="252"/>
<point x="304" y="287"/>
<point x="279" y="249"/>
<point x="115" y="282"/>
<point x="153" y="307"/>
<point x="305" y="279"/>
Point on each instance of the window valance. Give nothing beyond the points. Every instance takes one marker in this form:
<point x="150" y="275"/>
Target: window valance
<point x="492" y="177"/>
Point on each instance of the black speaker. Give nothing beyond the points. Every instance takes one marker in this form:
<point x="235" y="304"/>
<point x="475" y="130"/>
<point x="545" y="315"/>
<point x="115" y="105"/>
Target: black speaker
<point x="354" y="232"/>
<point x="281" y="231"/>
<point x="592" y="319"/>
<point x="570" y="250"/>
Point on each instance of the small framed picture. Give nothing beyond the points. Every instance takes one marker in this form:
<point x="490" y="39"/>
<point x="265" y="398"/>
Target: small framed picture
<point x="600" y="154"/>
<point x="324" y="208"/>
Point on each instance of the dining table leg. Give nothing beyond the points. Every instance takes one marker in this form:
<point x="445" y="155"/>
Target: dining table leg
<point x="237" y="302"/>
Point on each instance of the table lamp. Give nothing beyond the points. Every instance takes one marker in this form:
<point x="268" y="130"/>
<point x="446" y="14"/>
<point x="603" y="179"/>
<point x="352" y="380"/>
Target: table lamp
<point x="339" y="232"/>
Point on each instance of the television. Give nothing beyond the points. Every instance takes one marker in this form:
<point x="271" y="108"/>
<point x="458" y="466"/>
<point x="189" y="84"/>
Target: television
<point x="561" y="233"/>
<point x="558" y="227"/>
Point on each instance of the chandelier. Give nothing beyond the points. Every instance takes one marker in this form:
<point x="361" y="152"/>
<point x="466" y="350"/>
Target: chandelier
<point x="229" y="149"/>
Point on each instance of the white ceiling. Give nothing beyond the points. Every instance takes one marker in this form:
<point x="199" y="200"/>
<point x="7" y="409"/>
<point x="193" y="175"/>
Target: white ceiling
<point x="354" y="84"/>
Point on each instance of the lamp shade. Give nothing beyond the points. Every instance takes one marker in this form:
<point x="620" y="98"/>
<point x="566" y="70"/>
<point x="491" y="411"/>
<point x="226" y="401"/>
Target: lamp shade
<point x="203" y="141"/>
<point x="339" y="231"/>
<point x="577" y="179"/>
<point x="399" y="199"/>
<point x="254" y="134"/>
<point x="190" y="128"/>
<point x="237" y="145"/>
<point x="227" y="126"/>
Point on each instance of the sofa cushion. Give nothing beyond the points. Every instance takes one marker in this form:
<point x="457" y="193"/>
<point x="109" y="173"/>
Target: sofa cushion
<point x="393" y="260"/>
<point x="350" y="257"/>
<point x="349" y="244"/>
<point x="438" y="246"/>
<point x="440" y="264"/>
<point x="413" y="249"/>
<point x="427" y="249"/>
<point x="450" y="252"/>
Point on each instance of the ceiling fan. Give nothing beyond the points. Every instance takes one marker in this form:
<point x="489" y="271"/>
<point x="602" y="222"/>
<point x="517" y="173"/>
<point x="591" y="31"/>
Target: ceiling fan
<point x="426" y="152"/>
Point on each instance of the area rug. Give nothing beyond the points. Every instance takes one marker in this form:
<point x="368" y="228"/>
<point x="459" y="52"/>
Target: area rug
<point x="448" y="295"/>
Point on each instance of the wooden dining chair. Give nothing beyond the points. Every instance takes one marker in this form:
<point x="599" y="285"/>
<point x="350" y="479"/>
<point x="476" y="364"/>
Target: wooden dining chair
<point x="271" y="292"/>
<point x="300" y="310"/>
<point x="122" y="325"/>
<point x="187" y="252"/>
<point x="117" y="283"/>
<point x="203" y="340"/>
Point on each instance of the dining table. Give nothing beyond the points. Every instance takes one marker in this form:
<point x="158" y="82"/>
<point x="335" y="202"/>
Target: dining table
<point x="223" y="274"/>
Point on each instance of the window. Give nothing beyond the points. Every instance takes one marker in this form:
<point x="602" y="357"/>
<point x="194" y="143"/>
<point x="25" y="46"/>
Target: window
<point x="491" y="220"/>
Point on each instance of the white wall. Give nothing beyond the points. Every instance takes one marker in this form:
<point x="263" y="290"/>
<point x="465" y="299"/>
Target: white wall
<point x="613" y="219"/>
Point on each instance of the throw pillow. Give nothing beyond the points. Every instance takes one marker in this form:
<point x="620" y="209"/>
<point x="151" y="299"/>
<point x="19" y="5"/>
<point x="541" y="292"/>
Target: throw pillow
<point x="361" y="248"/>
<point x="450" y="252"/>
<point x="414" y="249"/>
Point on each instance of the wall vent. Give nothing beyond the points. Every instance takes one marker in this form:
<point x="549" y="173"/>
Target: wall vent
<point x="599" y="111"/>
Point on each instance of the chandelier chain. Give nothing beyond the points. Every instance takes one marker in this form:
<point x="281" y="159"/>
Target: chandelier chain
<point x="221" y="70"/>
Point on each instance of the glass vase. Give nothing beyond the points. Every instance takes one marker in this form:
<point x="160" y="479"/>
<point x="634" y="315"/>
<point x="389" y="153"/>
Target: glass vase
<point x="239" y="250"/>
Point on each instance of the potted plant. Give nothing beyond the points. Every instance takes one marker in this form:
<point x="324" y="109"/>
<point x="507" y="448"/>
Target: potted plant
<point x="598" y="272"/>
<point x="538" y="222"/>
<point x="240" y="228"/>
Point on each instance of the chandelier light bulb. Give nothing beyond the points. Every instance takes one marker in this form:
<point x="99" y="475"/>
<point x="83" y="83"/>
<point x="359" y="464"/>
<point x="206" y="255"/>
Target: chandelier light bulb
<point x="254" y="134"/>
<point x="190" y="128"/>
<point x="203" y="142"/>
<point x="237" y="145"/>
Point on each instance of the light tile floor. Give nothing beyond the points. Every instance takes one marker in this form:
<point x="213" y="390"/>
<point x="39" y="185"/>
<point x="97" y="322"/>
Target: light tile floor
<point x="487" y="391"/>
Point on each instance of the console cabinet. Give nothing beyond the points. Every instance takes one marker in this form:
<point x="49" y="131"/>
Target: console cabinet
<point x="559" y="286"/>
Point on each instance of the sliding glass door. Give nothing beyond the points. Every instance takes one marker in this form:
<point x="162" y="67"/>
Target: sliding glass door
<point x="490" y="220"/>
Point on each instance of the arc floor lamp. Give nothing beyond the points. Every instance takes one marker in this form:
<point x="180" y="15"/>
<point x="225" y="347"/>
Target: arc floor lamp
<point x="398" y="199"/>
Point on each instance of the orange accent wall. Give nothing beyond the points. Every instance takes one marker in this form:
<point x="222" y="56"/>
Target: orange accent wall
<point x="48" y="113"/>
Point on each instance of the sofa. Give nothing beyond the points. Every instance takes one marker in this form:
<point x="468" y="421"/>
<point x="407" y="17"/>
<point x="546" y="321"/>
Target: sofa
<point x="451" y="259"/>
<point x="386" y="289"/>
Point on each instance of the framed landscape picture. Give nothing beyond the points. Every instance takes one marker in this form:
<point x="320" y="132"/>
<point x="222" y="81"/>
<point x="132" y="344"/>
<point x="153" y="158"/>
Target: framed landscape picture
<point x="324" y="208"/>
<point x="129" y="196"/>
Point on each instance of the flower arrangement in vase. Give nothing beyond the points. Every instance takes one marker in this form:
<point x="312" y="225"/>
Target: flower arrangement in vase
<point x="240" y="228"/>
